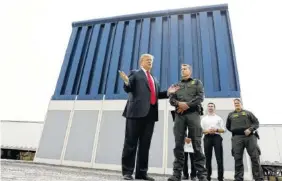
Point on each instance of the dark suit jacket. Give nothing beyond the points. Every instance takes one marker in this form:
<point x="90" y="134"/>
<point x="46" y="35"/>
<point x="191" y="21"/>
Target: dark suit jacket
<point x="138" y="103"/>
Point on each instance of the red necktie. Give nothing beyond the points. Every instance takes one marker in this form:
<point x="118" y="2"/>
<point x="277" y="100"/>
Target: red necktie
<point x="151" y="85"/>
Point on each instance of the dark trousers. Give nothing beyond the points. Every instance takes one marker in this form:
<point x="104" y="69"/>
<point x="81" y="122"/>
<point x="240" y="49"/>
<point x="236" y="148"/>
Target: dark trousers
<point x="192" y="121"/>
<point x="210" y="142"/>
<point x="239" y="143"/>
<point x="138" y="133"/>
<point x="185" y="168"/>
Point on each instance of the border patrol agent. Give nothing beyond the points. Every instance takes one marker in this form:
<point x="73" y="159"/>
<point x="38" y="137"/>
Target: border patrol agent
<point x="243" y="125"/>
<point x="187" y="101"/>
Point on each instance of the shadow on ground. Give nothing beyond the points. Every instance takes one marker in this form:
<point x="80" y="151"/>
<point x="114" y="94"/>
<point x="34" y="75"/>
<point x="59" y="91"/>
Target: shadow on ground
<point x="24" y="171"/>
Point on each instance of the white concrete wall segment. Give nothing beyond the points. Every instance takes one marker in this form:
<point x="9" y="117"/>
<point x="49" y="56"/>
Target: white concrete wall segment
<point x="91" y="134"/>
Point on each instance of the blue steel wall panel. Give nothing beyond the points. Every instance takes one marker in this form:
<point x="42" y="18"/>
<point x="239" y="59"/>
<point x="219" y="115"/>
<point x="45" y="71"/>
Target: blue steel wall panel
<point x="99" y="48"/>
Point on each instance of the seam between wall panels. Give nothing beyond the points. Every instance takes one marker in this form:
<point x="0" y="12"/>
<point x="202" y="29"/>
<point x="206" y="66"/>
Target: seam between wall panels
<point x="97" y="133"/>
<point x="68" y="132"/>
<point x="165" y="138"/>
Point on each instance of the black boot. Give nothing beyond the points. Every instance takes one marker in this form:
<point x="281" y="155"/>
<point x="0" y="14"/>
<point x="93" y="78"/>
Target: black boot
<point x="185" y="177"/>
<point x="174" y="178"/>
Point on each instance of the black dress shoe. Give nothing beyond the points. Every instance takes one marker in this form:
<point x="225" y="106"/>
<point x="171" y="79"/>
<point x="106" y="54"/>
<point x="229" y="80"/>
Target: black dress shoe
<point x="144" y="177"/>
<point x="127" y="177"/>
<point x="185" y="177"/>
<point x="174" y="178"/>
<point x="203" y="178"/>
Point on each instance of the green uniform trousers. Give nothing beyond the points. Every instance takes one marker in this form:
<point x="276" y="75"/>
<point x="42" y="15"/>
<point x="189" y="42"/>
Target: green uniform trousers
<point x="239" y="143"/>
<point x="193" y="122"/>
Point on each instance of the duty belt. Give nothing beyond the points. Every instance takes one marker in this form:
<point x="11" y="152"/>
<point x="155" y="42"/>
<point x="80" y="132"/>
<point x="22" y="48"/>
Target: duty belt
<point x="234" y="134"/>
<point x="190" y="110"/>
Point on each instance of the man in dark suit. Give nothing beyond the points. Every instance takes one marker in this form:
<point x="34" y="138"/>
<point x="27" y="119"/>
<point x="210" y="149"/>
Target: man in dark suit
<point x="141" y="113"/>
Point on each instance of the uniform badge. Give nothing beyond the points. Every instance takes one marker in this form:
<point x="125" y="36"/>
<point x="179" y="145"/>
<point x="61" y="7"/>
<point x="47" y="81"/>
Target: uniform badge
<point x="235" y="115"/>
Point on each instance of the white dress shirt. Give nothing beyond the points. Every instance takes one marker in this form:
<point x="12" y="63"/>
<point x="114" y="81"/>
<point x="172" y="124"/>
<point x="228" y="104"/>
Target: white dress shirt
<point x="212" y="121"/>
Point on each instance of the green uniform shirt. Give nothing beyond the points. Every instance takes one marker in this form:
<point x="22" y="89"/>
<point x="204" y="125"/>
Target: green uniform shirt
<point x="238" y="121"/>
<point x="191" y="92"/>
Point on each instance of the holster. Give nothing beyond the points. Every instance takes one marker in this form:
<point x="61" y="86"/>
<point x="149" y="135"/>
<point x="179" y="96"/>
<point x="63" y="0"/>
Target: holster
<point x="256" y="134"/>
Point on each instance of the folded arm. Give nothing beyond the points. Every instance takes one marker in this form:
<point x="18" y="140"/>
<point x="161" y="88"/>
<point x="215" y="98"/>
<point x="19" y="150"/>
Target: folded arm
<point x="255" y="122"/>
<point x="173" y="100"/>
<point x="205" y="130"/>
<point x="228" y="123"/>
<point x="221" y="129"/>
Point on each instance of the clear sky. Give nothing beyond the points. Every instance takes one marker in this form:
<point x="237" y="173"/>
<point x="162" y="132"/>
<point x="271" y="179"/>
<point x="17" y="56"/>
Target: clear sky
<point x="34" y="35"/>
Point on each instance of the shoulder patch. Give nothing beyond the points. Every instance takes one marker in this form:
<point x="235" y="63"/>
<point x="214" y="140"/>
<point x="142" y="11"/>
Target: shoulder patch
<point x="195" y="82"/>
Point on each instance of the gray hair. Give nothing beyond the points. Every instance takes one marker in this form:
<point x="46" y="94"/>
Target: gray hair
<point x="187" y="65"/>
<point x="146" y="55"/>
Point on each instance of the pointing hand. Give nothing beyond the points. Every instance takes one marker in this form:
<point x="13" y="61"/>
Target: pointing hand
<point x="123" y="76"/>
<point x="172" y="89"/>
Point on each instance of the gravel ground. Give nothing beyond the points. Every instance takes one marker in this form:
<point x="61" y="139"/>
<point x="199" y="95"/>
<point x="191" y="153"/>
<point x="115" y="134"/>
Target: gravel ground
<point x="23" y="171"/>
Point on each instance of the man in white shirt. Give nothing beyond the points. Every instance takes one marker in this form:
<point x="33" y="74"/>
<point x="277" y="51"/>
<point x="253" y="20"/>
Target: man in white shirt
<point x="213" y="127"/>
<point x="188" y="151"/>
